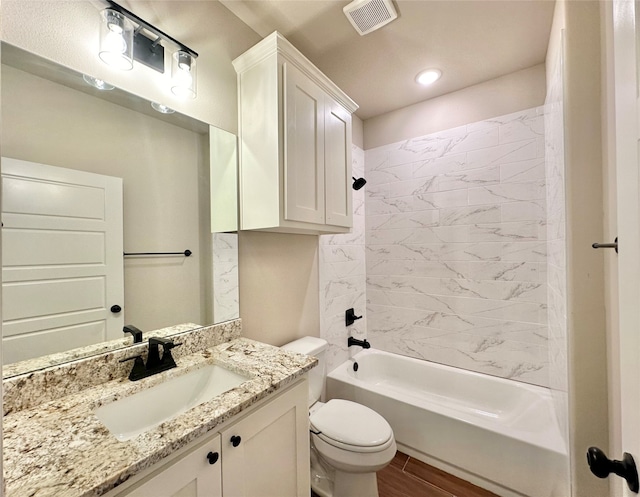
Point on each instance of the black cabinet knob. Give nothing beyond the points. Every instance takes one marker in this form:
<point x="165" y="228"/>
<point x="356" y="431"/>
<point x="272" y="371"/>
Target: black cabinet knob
<point x="235" y="440"/>
<point x="116" y="309"/>
<point x="601" y="466"/>
<point x="213" y="457"/>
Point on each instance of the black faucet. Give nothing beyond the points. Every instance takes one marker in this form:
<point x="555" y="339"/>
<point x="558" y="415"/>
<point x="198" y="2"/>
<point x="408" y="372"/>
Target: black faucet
<point x="155" y="363"/>
<point x="350" y="317"/>
<point x="137" y="334"/>
<point x="165" y="361"/>
<point x="361" y="343"/>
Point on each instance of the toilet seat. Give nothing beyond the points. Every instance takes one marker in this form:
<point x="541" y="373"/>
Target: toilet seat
<point x="351" y="426"/>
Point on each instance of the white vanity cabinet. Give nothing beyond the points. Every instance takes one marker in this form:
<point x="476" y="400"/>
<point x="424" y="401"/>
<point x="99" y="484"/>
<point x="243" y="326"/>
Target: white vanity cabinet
<point x="295" y="143"/>
<point x="196" y="474"/>
<point x="264" y="452"/>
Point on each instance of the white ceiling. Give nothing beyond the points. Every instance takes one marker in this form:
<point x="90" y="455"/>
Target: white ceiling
<point x="470" y="41"/>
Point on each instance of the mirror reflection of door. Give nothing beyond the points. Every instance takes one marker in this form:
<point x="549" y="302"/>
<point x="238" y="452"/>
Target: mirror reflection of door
<point x="62" y="259"/>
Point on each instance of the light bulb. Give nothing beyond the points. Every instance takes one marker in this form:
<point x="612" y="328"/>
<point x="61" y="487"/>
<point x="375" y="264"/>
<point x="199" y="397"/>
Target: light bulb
<point x="428" y="76"/>
<point x="163" y="109"/>
<point x="183" y="75"/>
<point x="116" y="40"/>
<point x="100" y="84"/>
<point x="183" y="78"/>
<point x="115" y="21"/>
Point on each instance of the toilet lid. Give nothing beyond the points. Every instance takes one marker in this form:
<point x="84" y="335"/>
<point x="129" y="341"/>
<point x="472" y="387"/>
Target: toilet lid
<point x="351" y="423"/>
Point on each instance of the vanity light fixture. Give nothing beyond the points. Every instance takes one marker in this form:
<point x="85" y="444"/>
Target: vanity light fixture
<point x="100" y="84"/>
<point x="163" y="109"/>
<point x="116" y="40"/>
<point x="183" y="75"/>
<point x="125" y="37"/>
<point x="428" y="76"/>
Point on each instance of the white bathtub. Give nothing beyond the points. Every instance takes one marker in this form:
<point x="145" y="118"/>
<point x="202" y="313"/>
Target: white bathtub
<point x="499" y="434"/>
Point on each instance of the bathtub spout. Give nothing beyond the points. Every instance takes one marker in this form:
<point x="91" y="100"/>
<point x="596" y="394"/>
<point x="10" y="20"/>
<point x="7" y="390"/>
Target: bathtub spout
<point x="361" y="343"/>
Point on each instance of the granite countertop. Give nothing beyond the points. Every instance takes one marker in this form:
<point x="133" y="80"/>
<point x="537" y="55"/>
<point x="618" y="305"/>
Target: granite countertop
<point x="60" y="449"/>
<point x="36" y="363"/>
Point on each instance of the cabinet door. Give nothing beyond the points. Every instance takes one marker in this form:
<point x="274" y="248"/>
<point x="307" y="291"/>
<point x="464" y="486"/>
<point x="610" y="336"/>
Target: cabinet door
<point x="337" y="160"/>
<point x="194" y="475"/>
<point x="271" y="456"/>
<point x="304" y="148"/>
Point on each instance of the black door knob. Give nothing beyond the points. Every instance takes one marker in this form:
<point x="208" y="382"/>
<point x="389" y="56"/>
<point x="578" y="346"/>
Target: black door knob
<point x="213" y="457"/>
<point x="116" y="309"/>
<point x="235" y="440"/>
<point x="601" y="466"/>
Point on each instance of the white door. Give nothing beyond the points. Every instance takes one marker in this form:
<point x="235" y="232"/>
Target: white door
<point x="623" y="130"/>
<point x="62" y="259"/>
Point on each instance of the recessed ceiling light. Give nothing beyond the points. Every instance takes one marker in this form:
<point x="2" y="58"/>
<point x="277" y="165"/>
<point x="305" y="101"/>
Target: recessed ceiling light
<point x="163" y="109"/>
<point x="428" y="76"/>
<point x="97" y="83"/>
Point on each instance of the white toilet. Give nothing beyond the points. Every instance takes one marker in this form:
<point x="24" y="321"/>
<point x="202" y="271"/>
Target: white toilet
<point x="349" y="441"/>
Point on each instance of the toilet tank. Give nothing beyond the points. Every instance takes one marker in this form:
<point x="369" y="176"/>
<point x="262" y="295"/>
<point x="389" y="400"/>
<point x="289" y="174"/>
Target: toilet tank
<point x="316" y="347"/>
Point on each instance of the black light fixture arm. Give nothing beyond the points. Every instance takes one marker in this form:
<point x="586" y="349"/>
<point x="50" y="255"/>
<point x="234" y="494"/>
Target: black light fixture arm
<point x="149" y="27"/>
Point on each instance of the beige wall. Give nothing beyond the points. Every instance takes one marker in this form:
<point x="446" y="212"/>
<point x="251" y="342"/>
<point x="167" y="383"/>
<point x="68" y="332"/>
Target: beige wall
<point x="278" y="274"/>
<point x="51" y="124"/>
<point x="585" y="268"/>
<point x="514" y="92"/>
<point x="66" y="31"/>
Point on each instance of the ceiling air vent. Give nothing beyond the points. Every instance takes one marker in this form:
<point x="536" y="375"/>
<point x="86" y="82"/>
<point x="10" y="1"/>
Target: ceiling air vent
<point x="369" y="15"/>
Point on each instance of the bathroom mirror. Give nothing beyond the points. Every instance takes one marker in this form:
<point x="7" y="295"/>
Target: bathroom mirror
<point x="52" y="117"/>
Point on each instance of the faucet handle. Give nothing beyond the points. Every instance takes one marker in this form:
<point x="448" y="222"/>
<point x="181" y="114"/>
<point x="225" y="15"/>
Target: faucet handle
<point x="154" y="361"/>
<point x="171" y="345"/>
<point x="166" y="343"/>
<point x="135" y="358"/>
<point x="139" y="369"/>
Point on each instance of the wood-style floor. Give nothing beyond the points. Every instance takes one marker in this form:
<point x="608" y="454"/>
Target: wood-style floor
<point x="408" y="477"/>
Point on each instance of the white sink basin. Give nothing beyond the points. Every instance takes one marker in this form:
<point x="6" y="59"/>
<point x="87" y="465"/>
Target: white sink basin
<point x="133" y="415"/>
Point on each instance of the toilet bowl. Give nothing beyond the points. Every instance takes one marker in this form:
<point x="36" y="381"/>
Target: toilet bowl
<point x="349" y="441"/>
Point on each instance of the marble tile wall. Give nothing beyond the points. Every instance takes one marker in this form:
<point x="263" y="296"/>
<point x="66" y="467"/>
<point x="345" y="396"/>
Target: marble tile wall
<point x="343" y="278"/>
<point x="556" y="242"/>
<point x="226" y="300"/>
<point x="456" y="247"/>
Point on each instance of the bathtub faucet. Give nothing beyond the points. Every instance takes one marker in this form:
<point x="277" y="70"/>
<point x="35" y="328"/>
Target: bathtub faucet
<point x="361" y="343"/>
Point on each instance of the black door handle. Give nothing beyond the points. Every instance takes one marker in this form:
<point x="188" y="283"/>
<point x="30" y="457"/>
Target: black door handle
<point x="213" y="457"/>
<point x="235" y="440"/>
<point x="116" y="309"/>
<point x="601" y="466"/>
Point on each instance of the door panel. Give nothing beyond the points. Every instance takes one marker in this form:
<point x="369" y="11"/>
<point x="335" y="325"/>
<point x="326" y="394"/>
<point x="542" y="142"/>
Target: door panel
<point x="337" y="165"/>
<point x="304" y="146"/>
<point x="33" y="247"/>
<point x="62" y="259"/>
<point x="274" y="439"/>
<point x="35" y="196"/>
<point x="190" y="476"/>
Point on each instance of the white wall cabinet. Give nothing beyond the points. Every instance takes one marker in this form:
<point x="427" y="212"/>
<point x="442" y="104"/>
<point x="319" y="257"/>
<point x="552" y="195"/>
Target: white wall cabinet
<point x="262" y="453"/>
<point x="295" y="143"/>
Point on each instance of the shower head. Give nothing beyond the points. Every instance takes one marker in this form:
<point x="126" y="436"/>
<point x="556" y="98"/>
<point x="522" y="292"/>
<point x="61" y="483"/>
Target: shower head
<point x="358" y="183"/>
